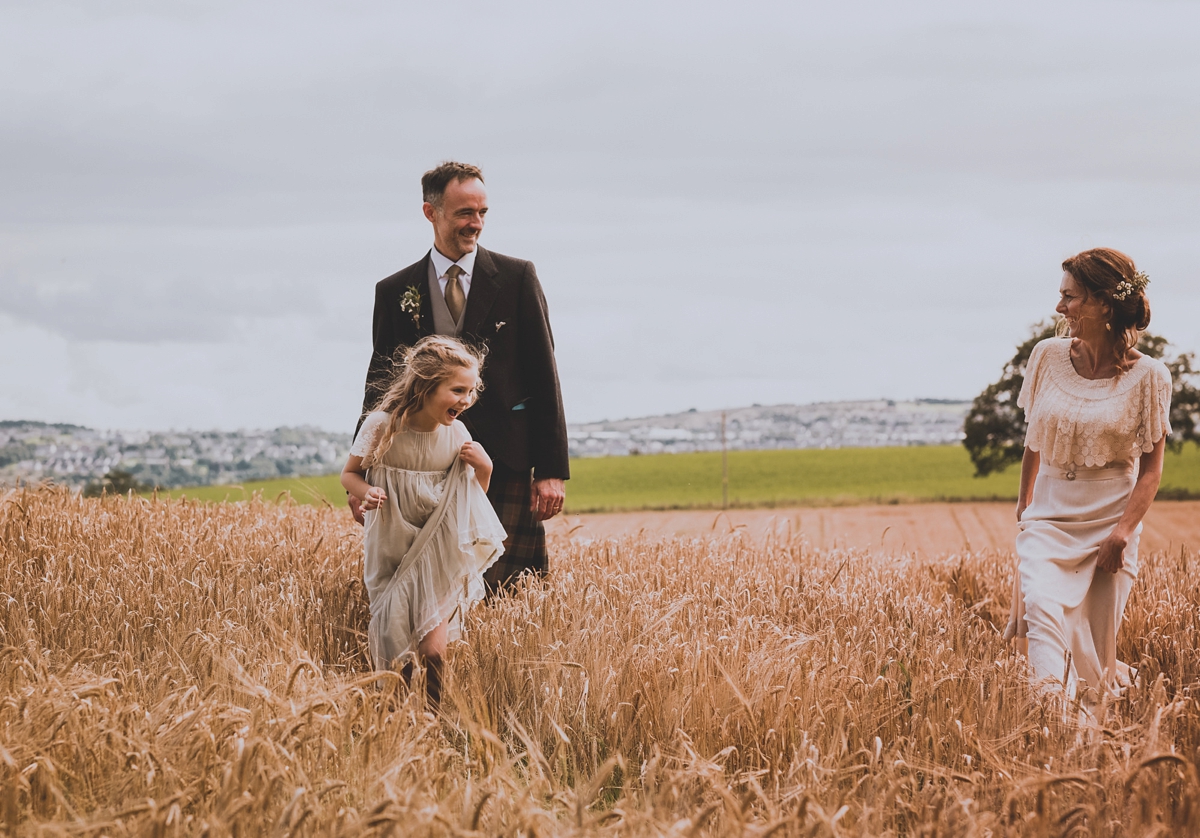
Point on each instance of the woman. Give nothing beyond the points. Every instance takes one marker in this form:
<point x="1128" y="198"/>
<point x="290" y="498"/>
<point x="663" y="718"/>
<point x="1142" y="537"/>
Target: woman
<point x="1097" y="413"/>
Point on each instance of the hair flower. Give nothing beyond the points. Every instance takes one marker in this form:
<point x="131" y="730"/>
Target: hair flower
<point x="1131" y="286"/>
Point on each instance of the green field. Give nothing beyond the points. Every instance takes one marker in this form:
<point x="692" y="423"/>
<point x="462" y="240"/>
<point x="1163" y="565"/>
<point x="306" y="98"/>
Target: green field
<point x="756" y="478"/>
<point x="312" y="490"/>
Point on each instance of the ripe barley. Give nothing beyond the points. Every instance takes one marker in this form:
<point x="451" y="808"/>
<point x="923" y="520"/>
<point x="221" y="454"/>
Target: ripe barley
<point x="172" y="668"/>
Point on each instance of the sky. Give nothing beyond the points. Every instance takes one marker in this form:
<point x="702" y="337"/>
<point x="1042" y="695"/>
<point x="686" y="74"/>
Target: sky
<point x="727" y="204"/>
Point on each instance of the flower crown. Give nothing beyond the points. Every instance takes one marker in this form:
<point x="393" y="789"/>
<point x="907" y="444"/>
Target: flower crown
<point x="1131" y="286"/>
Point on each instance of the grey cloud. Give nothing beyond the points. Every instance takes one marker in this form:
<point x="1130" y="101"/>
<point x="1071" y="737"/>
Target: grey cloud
<point x="816" y="184"/>
<point x="134" y="311"/>
<point x="307" y="116"/>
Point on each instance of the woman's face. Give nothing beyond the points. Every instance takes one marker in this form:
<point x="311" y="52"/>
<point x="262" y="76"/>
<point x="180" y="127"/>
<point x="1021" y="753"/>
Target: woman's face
<point x="452" y="396"/>
<point x="1085" y="315"/>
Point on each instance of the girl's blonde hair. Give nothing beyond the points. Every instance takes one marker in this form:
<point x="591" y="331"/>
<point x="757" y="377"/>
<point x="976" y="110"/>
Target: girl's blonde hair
<point x="422" y="367"/>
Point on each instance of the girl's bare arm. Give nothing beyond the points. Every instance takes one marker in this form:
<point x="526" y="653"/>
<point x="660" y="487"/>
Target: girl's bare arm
<point x="356" y="484"/>
<point x="472" y="454"/>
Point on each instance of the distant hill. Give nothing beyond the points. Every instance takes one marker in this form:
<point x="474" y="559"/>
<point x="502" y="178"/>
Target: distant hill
<point x="857" y="424"/>
<point x="77" y="455"/>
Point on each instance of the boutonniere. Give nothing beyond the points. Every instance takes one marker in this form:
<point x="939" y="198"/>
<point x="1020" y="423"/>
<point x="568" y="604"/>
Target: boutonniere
<point x="410" y="302"/>
<point x="500" y="324"/>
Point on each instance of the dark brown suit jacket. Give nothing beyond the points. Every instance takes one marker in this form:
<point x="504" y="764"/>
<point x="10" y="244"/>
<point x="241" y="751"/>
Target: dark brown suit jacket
<point x="519" y="417"/>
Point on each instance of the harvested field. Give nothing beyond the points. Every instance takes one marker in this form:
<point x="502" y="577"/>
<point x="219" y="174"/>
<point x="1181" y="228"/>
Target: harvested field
<point x="926" y="528"/>
<point x="176" y="668"/>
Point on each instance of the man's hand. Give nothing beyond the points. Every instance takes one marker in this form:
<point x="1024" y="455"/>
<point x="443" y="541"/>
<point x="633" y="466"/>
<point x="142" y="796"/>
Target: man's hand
<point x="355" y="508"/>
<point x="546" y="498"/>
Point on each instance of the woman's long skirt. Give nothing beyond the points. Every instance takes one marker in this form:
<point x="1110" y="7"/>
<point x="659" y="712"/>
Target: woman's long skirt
<point x="1068" y="608"/>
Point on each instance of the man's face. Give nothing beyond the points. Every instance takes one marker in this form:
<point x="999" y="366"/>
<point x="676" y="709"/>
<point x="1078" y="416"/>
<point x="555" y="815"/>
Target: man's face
<point x="458" y="222"/>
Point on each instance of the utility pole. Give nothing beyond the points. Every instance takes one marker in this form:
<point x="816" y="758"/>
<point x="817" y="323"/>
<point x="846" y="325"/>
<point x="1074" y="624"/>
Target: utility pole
<point x="724" y="466"/>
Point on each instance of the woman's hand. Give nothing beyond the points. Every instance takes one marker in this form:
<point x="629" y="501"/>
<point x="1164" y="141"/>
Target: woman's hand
<point x="373" y="498"/>
<point x="1111" y="556"/>
<point x="1020" y="511"/>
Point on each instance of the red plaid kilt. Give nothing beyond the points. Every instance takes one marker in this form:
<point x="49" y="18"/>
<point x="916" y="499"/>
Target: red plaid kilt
<point x="525" y="547"/>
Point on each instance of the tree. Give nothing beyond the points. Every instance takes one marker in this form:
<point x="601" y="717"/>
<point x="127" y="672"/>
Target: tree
<point x="116" y="482"/>
<point x="994" y="430"/>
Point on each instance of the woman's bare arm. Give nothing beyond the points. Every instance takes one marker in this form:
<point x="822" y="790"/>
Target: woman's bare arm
<point x="1030" y="462"/>
<point x="1112" y="549"/>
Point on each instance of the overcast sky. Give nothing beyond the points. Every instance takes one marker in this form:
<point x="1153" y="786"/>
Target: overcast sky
<point x="761" y="203"/>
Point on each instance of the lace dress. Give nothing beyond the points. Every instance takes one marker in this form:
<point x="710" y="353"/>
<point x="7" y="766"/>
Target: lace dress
<point x="1090" y="435"/>
<point x="427" y="546"/>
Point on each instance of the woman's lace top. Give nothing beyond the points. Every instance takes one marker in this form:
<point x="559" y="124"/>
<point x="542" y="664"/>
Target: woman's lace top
<point x="1088" y="423"/>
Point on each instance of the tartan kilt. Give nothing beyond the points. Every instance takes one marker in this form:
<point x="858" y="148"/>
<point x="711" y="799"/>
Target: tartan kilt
<point x="525" y="546"/>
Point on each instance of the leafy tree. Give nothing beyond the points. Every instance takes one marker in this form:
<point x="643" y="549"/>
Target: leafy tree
<point x="116" y="482"/>
<point x="994" y="430"/>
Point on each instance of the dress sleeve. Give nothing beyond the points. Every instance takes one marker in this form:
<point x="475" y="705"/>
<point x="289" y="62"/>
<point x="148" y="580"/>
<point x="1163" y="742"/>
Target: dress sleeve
<point x="1029" y="385"/>
<point x="461" y="434"/>
<point x="1156" y="407"/>
<point x="368" y="434"/>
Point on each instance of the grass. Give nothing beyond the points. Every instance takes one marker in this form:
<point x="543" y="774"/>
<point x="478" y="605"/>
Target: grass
<point x="774" y="478"/>
<point x="756" y="478"/>
<point x="175" y="668"/>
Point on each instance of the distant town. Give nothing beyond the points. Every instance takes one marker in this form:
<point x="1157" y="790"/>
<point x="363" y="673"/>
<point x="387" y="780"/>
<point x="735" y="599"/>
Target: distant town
<point x="76" y="456"/>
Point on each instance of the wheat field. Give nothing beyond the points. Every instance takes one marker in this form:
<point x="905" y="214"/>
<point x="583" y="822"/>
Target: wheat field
<point x="172" y="668"/>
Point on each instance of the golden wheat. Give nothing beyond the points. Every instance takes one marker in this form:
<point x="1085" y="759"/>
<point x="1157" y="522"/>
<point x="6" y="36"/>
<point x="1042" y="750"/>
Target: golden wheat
<point x="171" y="668"/>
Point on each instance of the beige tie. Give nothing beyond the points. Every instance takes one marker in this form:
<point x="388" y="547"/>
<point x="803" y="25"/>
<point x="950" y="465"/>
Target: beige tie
<point x="455" y="298"/>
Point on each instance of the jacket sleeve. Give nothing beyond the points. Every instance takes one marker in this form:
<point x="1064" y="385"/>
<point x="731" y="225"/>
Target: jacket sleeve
<point x="384" y="341"/>
<point x="535" y="349"/>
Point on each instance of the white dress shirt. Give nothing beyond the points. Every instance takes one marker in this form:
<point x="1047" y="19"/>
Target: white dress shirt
<point x="441" y="264"/>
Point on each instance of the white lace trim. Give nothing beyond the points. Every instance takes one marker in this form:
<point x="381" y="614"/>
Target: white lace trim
<point x="1077" y="421"/>
<point x="368" y="434"/>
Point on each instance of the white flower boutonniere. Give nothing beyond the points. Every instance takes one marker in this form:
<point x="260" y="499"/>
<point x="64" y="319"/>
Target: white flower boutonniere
<point x="410" y="302"/>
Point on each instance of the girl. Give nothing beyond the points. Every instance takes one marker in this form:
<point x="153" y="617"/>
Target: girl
<point x="430" y="530"/>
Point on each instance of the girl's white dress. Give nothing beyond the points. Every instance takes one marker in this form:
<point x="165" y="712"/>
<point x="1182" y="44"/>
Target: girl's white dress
<point x="1090" y="435"/>
<point x="427" y="546"/>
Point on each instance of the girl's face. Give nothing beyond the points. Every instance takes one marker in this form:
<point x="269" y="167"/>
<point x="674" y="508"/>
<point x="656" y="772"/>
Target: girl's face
<point x="452" y="396"/>
<point x="1085" y="315"/>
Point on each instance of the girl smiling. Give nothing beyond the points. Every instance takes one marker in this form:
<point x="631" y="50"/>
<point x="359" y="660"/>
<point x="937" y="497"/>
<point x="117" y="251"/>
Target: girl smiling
<point x="430" y="531"/>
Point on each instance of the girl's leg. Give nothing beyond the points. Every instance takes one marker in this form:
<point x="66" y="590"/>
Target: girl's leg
<point x="432" y="648"/>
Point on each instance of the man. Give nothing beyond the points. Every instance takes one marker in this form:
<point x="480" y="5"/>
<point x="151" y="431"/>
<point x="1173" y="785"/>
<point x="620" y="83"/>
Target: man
<point x="484" y="298"/>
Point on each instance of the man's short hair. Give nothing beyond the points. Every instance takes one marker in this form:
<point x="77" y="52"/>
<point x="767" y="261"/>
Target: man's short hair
<point x="435" y="181"/>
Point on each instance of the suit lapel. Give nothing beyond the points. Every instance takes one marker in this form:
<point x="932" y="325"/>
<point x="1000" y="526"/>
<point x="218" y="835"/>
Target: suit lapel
<point x="484" y="288"/>
<point x="426" y="325"/>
